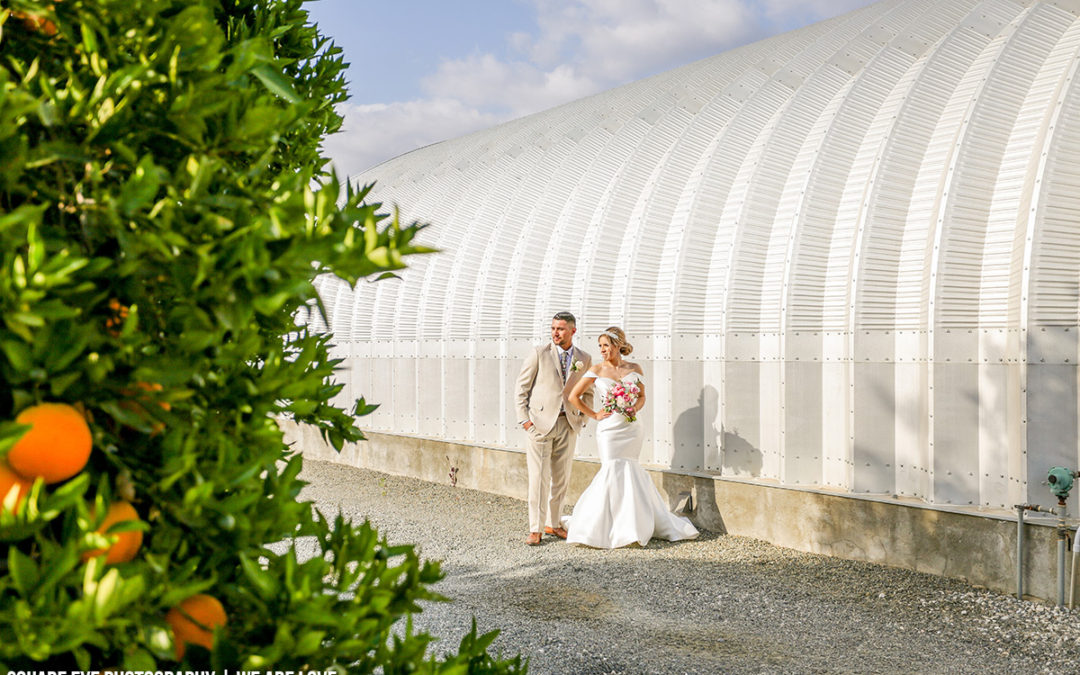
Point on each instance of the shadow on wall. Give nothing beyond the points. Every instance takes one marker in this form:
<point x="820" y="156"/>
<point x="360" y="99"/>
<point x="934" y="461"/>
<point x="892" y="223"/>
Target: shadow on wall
<point x="740" y="456"/>
<point x="696" y="440"/>
<point x="694" y="431"/>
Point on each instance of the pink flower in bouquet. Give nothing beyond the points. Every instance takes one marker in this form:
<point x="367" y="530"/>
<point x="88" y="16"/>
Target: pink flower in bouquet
<point x="621" y="399"/>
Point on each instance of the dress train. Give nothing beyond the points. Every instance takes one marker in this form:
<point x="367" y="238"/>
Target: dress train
<point x="621" y="505"/>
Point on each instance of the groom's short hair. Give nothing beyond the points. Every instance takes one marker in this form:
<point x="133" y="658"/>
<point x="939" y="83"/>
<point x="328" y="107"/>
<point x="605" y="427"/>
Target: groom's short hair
<point x="565" y="316"/>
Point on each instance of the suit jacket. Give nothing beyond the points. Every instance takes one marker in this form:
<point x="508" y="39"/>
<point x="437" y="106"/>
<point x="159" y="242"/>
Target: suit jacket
<point x="540" y="389"/>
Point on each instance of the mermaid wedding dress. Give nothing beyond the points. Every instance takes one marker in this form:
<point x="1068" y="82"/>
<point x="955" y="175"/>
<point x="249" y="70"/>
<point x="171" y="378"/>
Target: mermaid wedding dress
<point x="621" y="505"/>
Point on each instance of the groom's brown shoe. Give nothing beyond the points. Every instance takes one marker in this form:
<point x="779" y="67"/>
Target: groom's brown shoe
<point x="533" y="539"/>
<point x="557" y="531"/>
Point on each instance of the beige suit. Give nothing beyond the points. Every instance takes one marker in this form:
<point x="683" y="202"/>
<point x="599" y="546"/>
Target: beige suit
<point x="541" y="394"/>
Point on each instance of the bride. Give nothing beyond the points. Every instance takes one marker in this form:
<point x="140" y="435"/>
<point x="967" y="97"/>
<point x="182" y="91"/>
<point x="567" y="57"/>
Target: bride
<point x="621" y="505"/>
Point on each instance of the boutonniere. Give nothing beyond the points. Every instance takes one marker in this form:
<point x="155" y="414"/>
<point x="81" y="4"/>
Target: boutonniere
<point x="576" y="366"/>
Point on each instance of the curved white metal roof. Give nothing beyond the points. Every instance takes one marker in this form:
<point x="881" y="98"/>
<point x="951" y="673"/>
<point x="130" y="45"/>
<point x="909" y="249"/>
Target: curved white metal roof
<point x="848" y="257"/>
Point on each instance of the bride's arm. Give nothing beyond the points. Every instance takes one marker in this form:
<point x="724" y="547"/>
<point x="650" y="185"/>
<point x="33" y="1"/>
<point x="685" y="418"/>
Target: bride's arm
<point x="640" y="403"/>
<point x="575" y="397"/>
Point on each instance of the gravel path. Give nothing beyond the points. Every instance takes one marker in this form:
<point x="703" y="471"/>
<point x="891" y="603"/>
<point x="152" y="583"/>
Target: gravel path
<point x="718" y="604"/>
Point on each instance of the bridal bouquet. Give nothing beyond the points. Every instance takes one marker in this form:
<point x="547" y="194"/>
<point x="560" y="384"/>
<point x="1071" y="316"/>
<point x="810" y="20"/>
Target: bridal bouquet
<point x="621" y="399"/>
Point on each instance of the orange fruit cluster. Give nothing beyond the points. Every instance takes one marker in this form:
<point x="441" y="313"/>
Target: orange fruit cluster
<point x="115" y="323"/>
<point x="56" y="447"/>
<point x="193" y="622"/>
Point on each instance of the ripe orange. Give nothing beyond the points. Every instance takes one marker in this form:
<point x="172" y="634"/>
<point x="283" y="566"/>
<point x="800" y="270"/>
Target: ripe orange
<point x="127" y="543"/>
<point x="8" y="480"/>
<point x="56" y="447"/>
<point x="194" y="621"/>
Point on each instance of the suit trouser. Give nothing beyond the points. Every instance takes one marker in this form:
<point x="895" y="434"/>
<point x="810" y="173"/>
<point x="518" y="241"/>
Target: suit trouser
<point x="549" y="459"/>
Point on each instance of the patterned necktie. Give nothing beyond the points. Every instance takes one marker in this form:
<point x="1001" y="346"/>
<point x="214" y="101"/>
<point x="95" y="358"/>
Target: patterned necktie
<point x="565" y="360"/>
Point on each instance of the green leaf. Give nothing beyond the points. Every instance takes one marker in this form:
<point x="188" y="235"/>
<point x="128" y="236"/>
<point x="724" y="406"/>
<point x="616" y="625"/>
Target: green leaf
<point x="363" y="408"/>
<point x="35" y="249"/>
<point x="276" y="82"/>
<point x="141" y="188"/>
<point x="58" y="384"/>
<point x="308" y="643"/>
<point x="17" y="353"/>
<point x="27" y="213"/>
<point x="104" y="594"/>
<point x="61" y="563"/>
<point x="10" y="433"/>
<point x="263" y="582"/>
<point x="24" y="572"/>
<point x="27" y="319"/>
<point x="140" y="660"/>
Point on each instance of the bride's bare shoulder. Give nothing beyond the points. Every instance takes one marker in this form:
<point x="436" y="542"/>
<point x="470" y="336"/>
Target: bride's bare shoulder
<point x="634" y="367"/>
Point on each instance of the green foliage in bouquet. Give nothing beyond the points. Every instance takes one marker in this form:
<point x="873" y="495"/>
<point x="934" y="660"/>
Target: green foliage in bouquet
<point x="164" y="210"/>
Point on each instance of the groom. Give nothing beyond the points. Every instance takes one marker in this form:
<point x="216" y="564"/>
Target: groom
<point x="552" y="424"/>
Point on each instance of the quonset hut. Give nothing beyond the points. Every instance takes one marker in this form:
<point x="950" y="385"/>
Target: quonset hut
<point x="847" y="258"/>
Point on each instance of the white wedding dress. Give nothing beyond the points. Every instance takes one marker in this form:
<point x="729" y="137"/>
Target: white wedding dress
<point x="621" y="505"/>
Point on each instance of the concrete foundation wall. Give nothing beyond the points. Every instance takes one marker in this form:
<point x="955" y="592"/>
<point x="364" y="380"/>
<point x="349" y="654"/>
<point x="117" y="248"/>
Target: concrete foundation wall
<point x="979" y="547"/>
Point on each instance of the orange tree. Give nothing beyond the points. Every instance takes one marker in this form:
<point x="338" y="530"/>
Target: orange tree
<point x="164" y="209"/>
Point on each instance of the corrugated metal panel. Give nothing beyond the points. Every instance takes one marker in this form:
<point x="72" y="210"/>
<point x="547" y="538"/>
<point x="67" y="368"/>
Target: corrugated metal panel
<point x="429" y="396"/>
<point x="1056" y="259"/>
<point x="1050" y="433"/>
<point x="756" y="293"/>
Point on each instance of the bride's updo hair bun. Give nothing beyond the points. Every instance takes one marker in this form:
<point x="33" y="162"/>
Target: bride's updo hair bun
<point x="618" y="338"/>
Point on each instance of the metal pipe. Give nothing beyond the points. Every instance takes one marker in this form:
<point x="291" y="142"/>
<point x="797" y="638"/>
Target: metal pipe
<point x="1020" y="508"/>
<point x="1072" y="577"/>
<point x="1020" y="551"/>
<point x="1061" y="566"/>
<point x="1061" y="510"/>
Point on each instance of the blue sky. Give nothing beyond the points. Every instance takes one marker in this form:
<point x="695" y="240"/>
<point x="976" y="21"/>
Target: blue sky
<point x="423" y="71"/>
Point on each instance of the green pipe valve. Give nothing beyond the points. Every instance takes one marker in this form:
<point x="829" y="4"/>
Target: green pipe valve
<point x="1061" y="481"/>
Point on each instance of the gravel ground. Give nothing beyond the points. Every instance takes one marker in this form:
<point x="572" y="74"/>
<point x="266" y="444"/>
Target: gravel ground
<point x="717" y="604"/>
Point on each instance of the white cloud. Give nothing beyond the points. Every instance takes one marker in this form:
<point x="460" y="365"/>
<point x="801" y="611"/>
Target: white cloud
<point x="813" y="10"/>
<point x="516" y="86"/>
<point x="579" y="47"/>
<point x="614" y="41"/>
<point x="586" y="46"/>
<point x="376" y="132"/>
